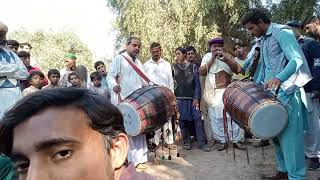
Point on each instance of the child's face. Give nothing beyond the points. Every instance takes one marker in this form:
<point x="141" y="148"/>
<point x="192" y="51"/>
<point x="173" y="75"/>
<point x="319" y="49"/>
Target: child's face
<point x="54" y="79"/>
<point x="74" y="80"/>
<point x="36" y="81"/>
<point x="96" y="82"/>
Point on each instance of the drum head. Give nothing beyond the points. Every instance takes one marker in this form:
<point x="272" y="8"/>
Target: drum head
<point x="131" y="119"/>
<point x="268" y="120"/>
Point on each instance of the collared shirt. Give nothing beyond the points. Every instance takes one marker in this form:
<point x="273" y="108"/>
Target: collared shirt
<point x="249" y="60"/>
<point x="64" y="77"/>
<point x="240" y="62"/>
<point x="129" y="79"/>
<point x="102" y="90"/>
<point x="311" y="50"/>
<point x="282" y="58"/>
<point x="160" y="73"/>
<point x="11" y="69"/>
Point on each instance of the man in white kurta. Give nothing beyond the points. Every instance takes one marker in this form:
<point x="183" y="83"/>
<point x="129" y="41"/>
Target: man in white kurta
<point x="213" y="96"/>
<point x="12" y="70"/>
<point x="159" y="72"/>
<point x="124" y="80"/>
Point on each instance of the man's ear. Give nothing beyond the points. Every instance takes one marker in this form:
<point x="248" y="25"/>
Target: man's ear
<point x="119" y="150"/>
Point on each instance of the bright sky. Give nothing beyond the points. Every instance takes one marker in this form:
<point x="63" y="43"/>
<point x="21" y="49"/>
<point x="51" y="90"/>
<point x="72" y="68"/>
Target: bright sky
<point x="91" y="20"/>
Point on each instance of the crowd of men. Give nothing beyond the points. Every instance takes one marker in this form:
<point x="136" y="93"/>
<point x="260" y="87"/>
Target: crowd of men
<point x="286" y="59"/>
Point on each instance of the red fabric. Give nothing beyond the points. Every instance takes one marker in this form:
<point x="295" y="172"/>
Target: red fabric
<point x="26" y="84"/>
<point x="141" y="74"/>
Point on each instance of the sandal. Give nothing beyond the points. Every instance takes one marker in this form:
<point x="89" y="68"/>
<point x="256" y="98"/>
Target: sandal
<point x="205" y="148"/>
<point x="187" y="146"/>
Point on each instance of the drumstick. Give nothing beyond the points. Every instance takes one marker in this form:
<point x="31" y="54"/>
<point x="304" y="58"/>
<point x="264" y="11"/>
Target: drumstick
<point x="162" y="144"/>
<point x="168" y="133"/>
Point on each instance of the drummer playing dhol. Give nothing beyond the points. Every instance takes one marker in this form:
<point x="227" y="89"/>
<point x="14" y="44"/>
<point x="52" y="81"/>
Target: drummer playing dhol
<point x="284" y="65"/>
<point x="124" y="80"/>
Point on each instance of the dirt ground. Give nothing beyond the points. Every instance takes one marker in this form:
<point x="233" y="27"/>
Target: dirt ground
<point x="215" y="165"/>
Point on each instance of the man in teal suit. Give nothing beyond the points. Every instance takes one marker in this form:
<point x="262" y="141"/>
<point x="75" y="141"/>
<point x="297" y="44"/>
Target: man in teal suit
<point x="284" y="65"/>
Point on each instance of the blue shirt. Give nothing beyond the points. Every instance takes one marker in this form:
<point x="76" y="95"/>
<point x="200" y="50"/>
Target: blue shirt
<point x="281" y="58"/>
<point x="311" y="50"/>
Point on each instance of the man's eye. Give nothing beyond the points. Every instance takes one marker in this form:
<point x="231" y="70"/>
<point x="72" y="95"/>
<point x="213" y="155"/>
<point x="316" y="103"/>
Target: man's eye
<point x="22" y="168"/>
<point x="65" y="154"/>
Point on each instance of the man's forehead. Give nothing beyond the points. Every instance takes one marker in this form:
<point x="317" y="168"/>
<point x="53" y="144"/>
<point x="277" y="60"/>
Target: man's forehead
<point x="135" y="42"/>
<point x="55" y="122"/>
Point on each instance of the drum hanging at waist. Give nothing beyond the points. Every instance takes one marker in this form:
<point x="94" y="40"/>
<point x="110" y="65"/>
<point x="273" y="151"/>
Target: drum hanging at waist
<point x="254" y="109"/>
<point x="147" y="109"/>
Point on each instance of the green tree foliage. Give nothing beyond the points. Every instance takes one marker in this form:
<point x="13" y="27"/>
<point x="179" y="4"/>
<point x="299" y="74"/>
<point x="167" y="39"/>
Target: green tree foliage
<point x="193" y="22"/>
<point x="176" y="23"/>
<point x="172" y="23"/>
<point x="287" y="10"/>
<point x="50" y="47"/>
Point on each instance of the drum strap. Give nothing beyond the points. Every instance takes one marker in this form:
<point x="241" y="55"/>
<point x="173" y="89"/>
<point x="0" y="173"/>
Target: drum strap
<point x="138" y="71"/>
<point x="225" y="126"/>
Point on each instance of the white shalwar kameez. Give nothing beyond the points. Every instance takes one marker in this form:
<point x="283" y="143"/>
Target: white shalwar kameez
<point x="129" y="81"/>
<point x="214" y="100"/>
<point x="160" y="73"/>
<point x="11" y="71"/>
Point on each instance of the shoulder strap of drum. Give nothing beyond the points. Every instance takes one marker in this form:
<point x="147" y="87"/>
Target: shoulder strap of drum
<point x="140" y="73"/>
<point x="255" y="63"/>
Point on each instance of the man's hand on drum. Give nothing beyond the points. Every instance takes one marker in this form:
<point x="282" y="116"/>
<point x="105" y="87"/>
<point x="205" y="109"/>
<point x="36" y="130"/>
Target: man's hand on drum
<point x="117" y="89"/>
<point x="195" y="104"/>
<point x="273" y="84"/>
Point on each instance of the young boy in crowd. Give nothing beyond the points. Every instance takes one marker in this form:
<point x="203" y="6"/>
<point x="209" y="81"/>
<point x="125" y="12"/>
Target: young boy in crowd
<point x="35" y="79"/>
<point x="74" y="80"/>
<point x="54" y="77"/>
<point x="96" y="86"/>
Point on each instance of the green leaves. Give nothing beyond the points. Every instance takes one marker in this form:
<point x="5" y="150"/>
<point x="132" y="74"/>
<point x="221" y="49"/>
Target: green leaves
<point x="50" y="47"/>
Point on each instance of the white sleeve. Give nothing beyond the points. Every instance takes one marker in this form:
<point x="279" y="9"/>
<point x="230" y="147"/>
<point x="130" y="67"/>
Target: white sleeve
<point x="170" y="78"/>
<point x="114" y="70"/>
<point x="206" y="58"/>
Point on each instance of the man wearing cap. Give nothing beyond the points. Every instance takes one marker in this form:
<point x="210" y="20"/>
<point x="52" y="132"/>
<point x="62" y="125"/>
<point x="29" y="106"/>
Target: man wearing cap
<point x="70" y="62"/>
<point x="311" y="25"/>
<point x="219" y="68"/>
<point x="311" y="50"/>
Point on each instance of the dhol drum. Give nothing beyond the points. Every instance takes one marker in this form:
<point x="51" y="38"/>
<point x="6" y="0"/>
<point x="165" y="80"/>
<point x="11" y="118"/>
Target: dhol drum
<point x="254" y="109"/>
<point x="147" y="109"/>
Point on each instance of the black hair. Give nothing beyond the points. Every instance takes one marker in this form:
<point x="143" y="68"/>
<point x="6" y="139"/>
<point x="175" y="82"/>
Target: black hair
<point x="72" y="74"/>
<point x="13" y="42"/>
<point x="98" y="63"/>
<point x="191" y="48"/>
<point x="95" y="75"/>
<point x="103" y="116"/>
<point x="53" y="71"/>
<point x="26" y="44"/>
<point x="182" y="50"/>
<point x="255" y="15"/>
<point x="34" y="73"/>
<point x="240" y="44"/>
<point x="129" y="40"/>
<point x="23" y="54"/>
<point x="309" y="20"/>
<point x="154" y="45"/>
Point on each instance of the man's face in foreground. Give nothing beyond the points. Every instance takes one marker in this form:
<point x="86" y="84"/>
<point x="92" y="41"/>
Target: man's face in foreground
<point x="58" y="143"/>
